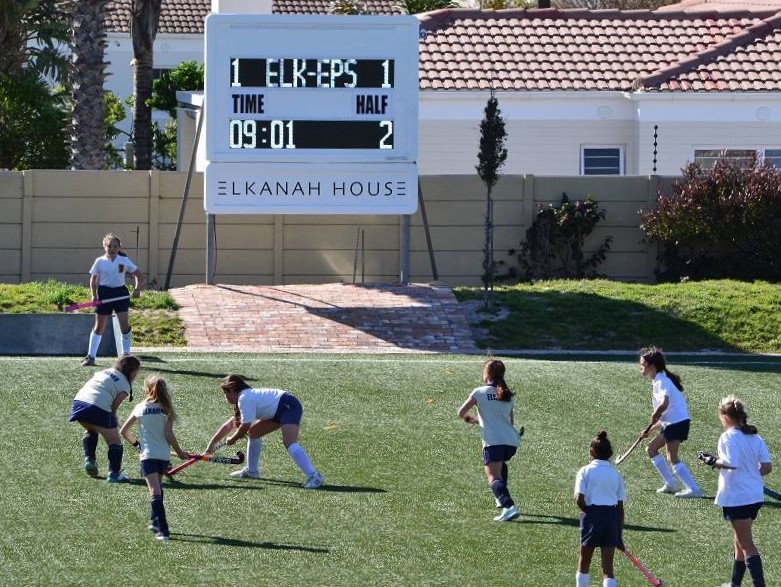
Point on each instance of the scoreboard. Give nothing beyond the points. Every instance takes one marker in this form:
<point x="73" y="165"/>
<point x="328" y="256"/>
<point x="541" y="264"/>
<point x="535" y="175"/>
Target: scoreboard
<point x="311" y="88"/>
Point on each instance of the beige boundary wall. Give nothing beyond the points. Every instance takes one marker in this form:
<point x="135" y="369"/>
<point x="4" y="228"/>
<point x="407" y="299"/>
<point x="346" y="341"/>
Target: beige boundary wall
<point x="52" y="223"/>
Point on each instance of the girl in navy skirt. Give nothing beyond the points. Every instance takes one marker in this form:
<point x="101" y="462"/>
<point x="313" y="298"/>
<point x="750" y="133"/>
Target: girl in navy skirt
<point x="155" y="415"/>
<point x="743" y="459"/>
<point x="107" y="281"/>
<point x="600" y="495"/>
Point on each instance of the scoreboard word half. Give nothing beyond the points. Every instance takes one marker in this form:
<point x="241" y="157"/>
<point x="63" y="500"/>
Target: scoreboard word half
<point x="313" y="88"/>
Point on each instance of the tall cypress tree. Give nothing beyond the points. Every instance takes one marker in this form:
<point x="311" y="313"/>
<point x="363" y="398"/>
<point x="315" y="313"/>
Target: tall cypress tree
<point x="491" y="157"/>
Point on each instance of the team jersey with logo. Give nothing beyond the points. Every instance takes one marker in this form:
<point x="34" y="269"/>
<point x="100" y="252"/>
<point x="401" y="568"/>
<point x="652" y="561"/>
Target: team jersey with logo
<point x="151" y="431"/>
<point x="112" y="272"/>
<point x="103" y="388"/>
<point x="494" y="417"/>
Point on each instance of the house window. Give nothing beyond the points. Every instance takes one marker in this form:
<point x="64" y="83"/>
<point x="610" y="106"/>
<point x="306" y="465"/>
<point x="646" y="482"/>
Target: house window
<point x="602" y="161"/>
<point x="773" y="157"/>
<point x="742" y="157"/>
<point x="157" y="73"/>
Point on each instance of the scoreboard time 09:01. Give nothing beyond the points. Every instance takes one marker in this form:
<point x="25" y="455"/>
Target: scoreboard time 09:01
<point x="286" y="73"/>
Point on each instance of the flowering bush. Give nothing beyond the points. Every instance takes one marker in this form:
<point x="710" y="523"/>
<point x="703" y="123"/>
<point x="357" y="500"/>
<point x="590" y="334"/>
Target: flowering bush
<point x="719" y="223"/>
<point x="555" y="240"/>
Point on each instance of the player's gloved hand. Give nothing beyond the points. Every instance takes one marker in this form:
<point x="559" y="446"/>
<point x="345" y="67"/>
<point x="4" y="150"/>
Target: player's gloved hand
<point x="707" y="458"/>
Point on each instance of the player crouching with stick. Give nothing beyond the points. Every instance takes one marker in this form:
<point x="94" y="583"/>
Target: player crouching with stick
<point x="256" y="412"/>
<point x="669" y="412"/>
<point x="156" y="416"/>
<point x="600" y="495"/>
<point x="743" y="459"/>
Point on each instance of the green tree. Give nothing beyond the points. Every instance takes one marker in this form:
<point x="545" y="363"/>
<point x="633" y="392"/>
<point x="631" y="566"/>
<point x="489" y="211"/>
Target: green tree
<point x="421" y="6"/>
<point x="491" y="157"/>
<point x="33" y="121"/>
<point x="88" y="73"/>
<point x="348" y="7"/>
<point x="31" y="34"/>
<point x="144" y="19"/>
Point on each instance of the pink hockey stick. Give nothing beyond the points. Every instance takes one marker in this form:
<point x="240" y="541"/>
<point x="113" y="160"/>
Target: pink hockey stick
<point x="641" y="567"/>
<point x="93" y="303"/>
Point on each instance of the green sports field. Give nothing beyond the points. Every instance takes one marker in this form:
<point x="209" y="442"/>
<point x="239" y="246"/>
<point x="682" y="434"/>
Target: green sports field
<point x="405" y="500"/>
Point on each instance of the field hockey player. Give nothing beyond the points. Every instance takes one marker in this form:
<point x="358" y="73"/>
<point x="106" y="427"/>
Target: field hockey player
<point x="669" y="412"/>
<point x="600" y="495"/>
<point x="95" y="408"/>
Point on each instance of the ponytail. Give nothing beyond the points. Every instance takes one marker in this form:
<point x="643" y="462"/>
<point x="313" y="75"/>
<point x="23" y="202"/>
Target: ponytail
<point x="654" y="356"/>
<point x="493" y="374"/>
<point x="733" y="408"/>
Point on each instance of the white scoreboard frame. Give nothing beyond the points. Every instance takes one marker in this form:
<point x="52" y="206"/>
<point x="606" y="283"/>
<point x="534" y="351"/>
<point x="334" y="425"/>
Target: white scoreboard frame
<point x="311" y="37"/>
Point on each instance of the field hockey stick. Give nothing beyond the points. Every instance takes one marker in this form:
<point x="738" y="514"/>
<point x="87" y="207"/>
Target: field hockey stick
<point x="770" y="493"/>
<point x="641" y="567"/>
<point x="193" y="459"/>
<point x="621" y="458"/>
<point x="237" y="460"/>
<point x="93" y="303"/>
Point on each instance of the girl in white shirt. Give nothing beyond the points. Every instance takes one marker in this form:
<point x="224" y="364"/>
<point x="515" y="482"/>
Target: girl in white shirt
<point x="495" y="403"/>
<point x="107" y="281"/>
<point x="257" y="412"/>
<point x="600" y="495"/>
<point x="743" y="459"/>
<point x="671" y="414"/>
<point x="155" y="415"/>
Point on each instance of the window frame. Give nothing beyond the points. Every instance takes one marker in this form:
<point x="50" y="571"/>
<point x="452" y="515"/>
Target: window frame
<point x="621" y="159"/>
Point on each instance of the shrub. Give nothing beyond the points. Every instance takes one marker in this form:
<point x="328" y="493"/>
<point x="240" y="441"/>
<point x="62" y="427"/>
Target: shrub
<point x="555" y="241"/>
<point x="719" y="223"/>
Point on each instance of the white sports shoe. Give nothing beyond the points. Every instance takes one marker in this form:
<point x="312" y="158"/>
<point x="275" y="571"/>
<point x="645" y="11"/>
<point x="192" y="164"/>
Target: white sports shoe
<point x="314" y="481"/>
<point x="508" y="514"/>
<point x="669" y="488"/>
<point x="245" y="474"/>
<point x="688" y="493"/>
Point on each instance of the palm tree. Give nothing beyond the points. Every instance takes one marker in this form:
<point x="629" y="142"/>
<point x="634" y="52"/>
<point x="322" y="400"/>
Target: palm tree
<point x="88" y="73"/>
<point x="144" y="19"/>
<point x="30" y="34"/>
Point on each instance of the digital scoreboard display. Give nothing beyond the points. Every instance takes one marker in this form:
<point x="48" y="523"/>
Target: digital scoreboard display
<point x="311" y="88"/>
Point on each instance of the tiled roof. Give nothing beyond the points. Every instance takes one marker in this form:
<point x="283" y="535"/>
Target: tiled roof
<point x="722" y="5"/>
<point x="187" y="16"/>
<point x="549" y="49"/>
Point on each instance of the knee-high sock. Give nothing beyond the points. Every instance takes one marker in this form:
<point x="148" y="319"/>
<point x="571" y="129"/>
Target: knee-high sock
<point x="115" y="452"/>
<point x="126" y="343"/>
<point x="158" y="514"/>
<point x="738" y="572"/>
<point x="660" y="464"/>
<point x="254" y="448"/>
<point x="301" y="459"/>
<point x="581" y="579"/>
<point x="754" y="566"/>
<point x="90" y="443"/>
<point x="94" y="343"/>
<point x="501" y="493"/>
<point x="505" y="472"/>
<point x="684" y="475"/>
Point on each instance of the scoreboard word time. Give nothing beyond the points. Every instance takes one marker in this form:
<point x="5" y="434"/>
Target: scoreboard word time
<point x="311" y="114"/>
<point x="311" y="88"/>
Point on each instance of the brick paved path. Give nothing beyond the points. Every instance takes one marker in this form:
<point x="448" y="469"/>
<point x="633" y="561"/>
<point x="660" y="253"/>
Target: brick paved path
<point x="330" y="317"/>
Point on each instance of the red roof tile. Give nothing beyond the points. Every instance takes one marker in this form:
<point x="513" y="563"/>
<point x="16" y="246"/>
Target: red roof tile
<point x="549" y="49"/>
<point x="187" y="16"/>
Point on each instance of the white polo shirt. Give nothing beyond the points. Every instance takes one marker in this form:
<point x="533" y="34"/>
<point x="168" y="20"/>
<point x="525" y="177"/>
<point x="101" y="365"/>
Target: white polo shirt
<point x="151" y="431"/>
<point x="494" y="417"/>
<point x="112" y="272"/>
<point x="742" y="485"/>
<point x="676" y="410"/>
<point x="600" y="483"/>
<point x="258" y="404"/>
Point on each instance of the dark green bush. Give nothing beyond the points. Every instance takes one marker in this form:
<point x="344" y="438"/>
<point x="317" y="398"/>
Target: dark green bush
<point x="555" y="241"/>
<point x="719" y="223"/>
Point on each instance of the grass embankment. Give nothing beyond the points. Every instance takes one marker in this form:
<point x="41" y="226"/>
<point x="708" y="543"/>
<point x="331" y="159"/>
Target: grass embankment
<point x="607" y="315"/>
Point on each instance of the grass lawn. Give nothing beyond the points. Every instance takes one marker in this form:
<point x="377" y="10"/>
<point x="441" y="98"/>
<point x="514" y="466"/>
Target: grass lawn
<point x="405" y="500"/>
